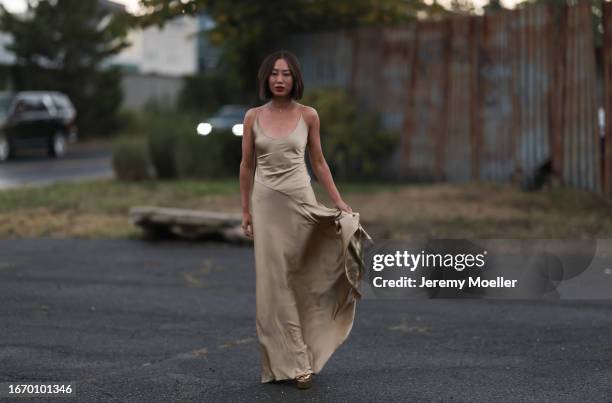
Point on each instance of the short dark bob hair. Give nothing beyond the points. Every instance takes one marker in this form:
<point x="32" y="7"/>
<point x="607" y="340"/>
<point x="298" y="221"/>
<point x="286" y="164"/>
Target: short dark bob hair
<point x="266" y="69"/>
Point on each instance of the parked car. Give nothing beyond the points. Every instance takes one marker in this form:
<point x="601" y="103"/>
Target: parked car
<point x="36" y="119"/>
<point x="229" y="117"/>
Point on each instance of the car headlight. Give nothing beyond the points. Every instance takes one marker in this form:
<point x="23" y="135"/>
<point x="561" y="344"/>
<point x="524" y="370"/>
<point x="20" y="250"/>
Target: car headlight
<point x="237" y="129"/>
<point x="204" y="129"/>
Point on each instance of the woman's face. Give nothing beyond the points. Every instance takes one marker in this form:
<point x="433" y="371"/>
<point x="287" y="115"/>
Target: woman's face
<point x="280" y="80"/>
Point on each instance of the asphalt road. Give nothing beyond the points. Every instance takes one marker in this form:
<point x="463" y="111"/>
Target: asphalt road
<point x="83" y="161"/>
<point x="127" y="320"/>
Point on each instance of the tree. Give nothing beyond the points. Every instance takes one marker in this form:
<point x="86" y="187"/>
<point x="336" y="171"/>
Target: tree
<point x="462" y="7"/>
<point x="247" y="29"/>
<point x="493" y="5"/>
<point x="63" y="45"/>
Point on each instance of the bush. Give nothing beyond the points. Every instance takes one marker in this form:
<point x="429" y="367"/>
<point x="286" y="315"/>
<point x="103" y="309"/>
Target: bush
<point x="131" y="159"/>
<point x="175" y="148"/>
<point x="198" y="157"/>
<point x="353" y="141"/>
<point x="154" y="126"/>
<point x="178" y="151"/>
<point x="131" y="123"/>
<point x="162" y="146"/>
<point x="214" y="156"/>
<point x="165" y="129"/>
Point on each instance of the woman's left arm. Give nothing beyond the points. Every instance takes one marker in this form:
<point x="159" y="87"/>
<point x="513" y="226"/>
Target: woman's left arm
<point x="317" y="160"/>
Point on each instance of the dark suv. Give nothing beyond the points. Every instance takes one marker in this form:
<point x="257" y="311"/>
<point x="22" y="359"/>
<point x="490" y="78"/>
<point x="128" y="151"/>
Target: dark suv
<point x="36" y="119"/>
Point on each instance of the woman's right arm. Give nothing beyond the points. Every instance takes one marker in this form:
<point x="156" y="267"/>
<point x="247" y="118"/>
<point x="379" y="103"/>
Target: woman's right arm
<point x="247" y="164"/>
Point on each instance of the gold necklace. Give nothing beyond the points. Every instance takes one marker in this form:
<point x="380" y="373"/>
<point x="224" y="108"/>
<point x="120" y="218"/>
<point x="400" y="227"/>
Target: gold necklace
<point x="279" y="109"/>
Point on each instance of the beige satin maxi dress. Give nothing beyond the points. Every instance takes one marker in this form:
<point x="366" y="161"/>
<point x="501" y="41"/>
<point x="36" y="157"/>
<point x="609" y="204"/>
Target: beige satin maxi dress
<point x="308" y="261"/>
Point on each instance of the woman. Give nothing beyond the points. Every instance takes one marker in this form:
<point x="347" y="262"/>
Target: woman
<point x="307" y="256"/>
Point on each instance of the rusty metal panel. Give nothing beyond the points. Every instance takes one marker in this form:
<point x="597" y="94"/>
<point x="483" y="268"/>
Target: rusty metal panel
<point x="457" y="153"/>
<point x="607" y="73"/>
<point x="532" y="79"/>
<point x="425" y="113"/>
<point x="325" y="58"/>
<point x="556" y="95"/>
<point x="380" y="72"/>
<point x="476" y="98"/>
<point x="397" y="46"/>
<point x="381" y="65"/>
<point x="579" y="134"/>
<point x="366" y="67"/>
<point x="496" y="98"/>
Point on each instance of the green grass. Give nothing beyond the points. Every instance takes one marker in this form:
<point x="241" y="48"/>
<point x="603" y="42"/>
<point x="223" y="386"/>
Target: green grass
<point x="100" y="208"/>
<point x="362" y="188"/>
<point x="110" y="196"/>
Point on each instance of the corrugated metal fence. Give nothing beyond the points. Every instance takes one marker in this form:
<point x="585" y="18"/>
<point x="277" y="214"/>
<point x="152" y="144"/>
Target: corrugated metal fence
<point x="607" y="73"/>
<point x="506" y="96"/>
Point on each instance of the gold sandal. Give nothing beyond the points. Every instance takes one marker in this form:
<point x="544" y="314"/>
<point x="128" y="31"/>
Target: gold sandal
<point x="304" y="381"/>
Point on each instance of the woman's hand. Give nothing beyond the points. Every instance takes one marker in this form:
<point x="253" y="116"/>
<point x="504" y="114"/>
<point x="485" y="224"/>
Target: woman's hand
<point x="344" y="207"/>
<point x="247" y="225"/>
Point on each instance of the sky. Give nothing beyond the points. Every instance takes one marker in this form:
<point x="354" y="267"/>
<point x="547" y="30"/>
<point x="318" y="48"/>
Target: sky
<point x="16" y="6"/>
<point x="132" y="5"/>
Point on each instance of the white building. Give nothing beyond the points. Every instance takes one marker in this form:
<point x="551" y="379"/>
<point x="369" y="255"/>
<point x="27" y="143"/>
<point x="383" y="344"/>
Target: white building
<point x="158" y="58"/>
<point x="176" y="49"/>
<point x="171" y="50"/>
<point x="6" y="57"/>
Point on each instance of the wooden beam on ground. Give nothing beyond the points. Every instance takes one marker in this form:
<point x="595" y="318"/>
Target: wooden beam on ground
<point x="165" y="222"/>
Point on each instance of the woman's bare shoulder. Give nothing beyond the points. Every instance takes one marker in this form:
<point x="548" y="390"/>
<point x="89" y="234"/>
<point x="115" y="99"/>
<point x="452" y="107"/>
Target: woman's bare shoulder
<point x="310" y="114"/>
<point x="251" y="113"/>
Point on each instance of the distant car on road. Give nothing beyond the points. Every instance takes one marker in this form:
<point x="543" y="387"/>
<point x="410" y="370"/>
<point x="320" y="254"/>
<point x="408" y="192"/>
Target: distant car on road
<point x="35" y="119"/>
<point x="229" y="117"/>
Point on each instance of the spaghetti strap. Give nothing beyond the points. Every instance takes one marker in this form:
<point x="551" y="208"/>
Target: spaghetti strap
<point x="256" y="123"/>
